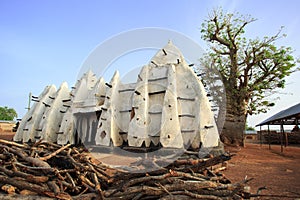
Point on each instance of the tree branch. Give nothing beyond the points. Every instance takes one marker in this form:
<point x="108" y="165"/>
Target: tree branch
<point x="220" y="52"/>
<point x="242" y="27"/>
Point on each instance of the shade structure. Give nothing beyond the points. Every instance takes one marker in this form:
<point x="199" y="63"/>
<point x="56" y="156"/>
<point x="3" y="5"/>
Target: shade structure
<point x="289" y="116"/>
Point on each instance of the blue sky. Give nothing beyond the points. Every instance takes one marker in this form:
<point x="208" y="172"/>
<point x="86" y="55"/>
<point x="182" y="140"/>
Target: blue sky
<point x="46" y="42"/>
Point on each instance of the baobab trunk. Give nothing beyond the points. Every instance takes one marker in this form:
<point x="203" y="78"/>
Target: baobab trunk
<point x="235" y="123"/>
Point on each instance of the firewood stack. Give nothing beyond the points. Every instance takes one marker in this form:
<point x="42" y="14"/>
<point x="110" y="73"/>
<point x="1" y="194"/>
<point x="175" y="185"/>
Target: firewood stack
<point x="274" y="137"/>
<point x="68" y="172"/>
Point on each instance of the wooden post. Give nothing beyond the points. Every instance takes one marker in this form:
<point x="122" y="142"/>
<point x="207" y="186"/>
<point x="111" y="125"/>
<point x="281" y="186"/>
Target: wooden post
<point x="281" y="134"/>
<point x="260" y="136"/>
<point x="29" y="101"/>
<point x="269" y="136"/>
<point x="286" y="139"/>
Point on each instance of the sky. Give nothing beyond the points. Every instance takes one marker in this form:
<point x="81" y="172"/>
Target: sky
<point x="46" y="42"/>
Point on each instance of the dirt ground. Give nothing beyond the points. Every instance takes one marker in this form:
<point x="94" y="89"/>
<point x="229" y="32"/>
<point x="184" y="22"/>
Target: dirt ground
<point x="7" y="135"/>
<point x="278" y="172"/>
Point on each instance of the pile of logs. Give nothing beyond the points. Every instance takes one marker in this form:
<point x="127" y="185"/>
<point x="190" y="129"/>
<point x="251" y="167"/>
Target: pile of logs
<point x="274" y="137"/>
<point x="68" y="172"/>
<point x="294" y="137"/>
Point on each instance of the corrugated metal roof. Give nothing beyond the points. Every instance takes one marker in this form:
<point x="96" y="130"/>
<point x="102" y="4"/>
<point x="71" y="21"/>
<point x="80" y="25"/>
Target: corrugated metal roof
<point x="288" y="115"/>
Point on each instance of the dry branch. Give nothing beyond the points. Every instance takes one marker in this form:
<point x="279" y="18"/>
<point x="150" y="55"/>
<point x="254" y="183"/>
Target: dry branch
<point x="22" y="184"/>
<point x="5" y="142"/>
<point x="55" y="152"/>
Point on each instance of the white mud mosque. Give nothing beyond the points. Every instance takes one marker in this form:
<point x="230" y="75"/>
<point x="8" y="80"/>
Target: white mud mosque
<point x="166" y="106"/>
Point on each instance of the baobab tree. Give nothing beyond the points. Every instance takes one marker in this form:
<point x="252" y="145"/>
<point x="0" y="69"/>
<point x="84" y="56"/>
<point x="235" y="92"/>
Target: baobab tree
<point x="250" y="69"/>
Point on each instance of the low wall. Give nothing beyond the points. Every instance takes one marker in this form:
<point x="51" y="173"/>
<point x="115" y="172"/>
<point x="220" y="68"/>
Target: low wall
<point x="6" y="126"/>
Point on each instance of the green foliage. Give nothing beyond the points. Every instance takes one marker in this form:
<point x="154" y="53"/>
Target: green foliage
<point x="249" y="128"/>
<point x="7" y="113"/>
<point x="251" y="69"/>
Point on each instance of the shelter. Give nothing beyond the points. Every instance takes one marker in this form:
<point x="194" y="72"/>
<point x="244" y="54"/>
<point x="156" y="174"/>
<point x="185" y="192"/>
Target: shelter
<point x="289" y="116"/>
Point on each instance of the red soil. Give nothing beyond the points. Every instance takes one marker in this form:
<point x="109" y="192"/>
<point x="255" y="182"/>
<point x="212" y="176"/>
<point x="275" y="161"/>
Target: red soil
<point x="279" y="172"/>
